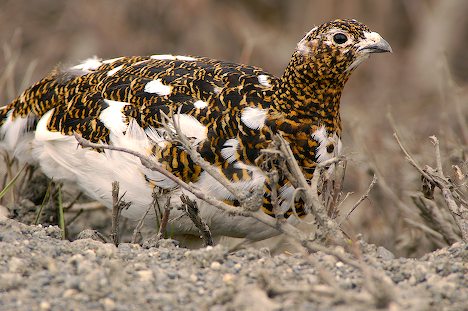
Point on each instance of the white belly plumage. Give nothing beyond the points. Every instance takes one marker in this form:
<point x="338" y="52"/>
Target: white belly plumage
<point x="60" y="158"/>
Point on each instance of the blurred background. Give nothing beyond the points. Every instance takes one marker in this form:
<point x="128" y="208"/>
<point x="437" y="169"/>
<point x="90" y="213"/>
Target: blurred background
<point x="420" y="89"/>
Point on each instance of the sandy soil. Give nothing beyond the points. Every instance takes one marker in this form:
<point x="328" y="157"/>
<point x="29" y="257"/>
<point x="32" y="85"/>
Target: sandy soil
<point x="39" y="271"/>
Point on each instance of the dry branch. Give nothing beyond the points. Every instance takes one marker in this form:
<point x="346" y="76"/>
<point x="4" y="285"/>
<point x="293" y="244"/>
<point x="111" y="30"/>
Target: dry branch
<point x="364" y="196"/>
<point x="191" y="209"/>
<point x="436" y="178"/>
<point x="164" y="219"/>
<point x="117" y="206"/>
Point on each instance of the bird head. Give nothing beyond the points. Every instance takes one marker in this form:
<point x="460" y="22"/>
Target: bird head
<point x="339" y="46"/>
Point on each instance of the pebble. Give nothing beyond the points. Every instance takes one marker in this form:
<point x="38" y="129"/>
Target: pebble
<point x="384" y="253"/>
<point x="228" y="278"/>
<point x="108" y="304"/>
<point x="44" y="305"/>
<point x="4" y="212"/>
<point x="145" y="275"/>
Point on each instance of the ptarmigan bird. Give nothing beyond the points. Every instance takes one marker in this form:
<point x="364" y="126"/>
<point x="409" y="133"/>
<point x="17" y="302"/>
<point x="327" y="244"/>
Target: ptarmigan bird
<point x="229" y="111"/>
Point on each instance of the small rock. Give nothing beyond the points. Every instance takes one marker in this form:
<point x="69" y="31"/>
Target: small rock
<point x="44" y="305"/>
<point x="228" y="278"/>
<point x="384" y="253"/>
<point x="107" y="250"/>
<point x="4" y="212"/>
<point x="54" y="232"/>
<point x="108" y="303"/>
<point x="91" y="234"/>
<point x="16" y="264"/>
<point x="329" y="259"/>
<point x="215" y="265"/>
<point x="167" y="243"/>
<point x="252" y="298"/>
<point x="10" y="281"/>
<point x="69" y="293"/>
<point x="145" y="275"/>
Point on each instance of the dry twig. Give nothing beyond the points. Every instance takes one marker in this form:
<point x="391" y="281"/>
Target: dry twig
<point x="191" y="209"/>
<point x="117" y="206"/>
<point x="436" y="178"/>
<point x="165" y="219"/>
<point x="364" y="196"/>
<point x="137" y="230"/>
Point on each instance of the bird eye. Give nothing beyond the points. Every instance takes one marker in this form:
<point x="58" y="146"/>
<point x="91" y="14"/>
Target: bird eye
<point x="340" y="38"/>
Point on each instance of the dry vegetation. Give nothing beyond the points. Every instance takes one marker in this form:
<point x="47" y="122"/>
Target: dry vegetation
<point x="418" y="91"/>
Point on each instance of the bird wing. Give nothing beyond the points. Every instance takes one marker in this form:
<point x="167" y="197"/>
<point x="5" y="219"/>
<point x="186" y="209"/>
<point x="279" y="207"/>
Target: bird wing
<point x="147" y="87"/>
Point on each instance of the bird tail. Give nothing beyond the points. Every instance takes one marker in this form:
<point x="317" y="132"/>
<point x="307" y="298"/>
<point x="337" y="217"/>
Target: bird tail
<point x="14" y="130"/>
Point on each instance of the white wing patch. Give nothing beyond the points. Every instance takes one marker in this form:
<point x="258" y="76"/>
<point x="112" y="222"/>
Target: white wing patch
<point x="89" y="64"/>
<point x="191" y="127"/>
<point x="113" y="71"/>
<point x="229" y="149"/>
<point x="254" y="118"/>
<point x="112" y="116"/>
<point x="264" y="80"/>
<point x="42" y="132"/>
<point x="186" y="58"/>
<point x="156" y="86"/>
<point x="200" y="104"/>
<point x="325" y="140"/>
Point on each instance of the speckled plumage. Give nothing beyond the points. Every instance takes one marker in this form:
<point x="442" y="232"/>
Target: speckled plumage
<point x="229" y="110"/>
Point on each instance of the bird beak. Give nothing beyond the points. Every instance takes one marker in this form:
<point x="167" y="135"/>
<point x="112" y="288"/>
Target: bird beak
<point x="374" y="43"/>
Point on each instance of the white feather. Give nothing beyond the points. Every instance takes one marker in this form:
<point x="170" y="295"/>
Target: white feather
<point x="112" y="116"/>
<point x="14" y="137"/>
<point x="89" y="64"/>
<point x="113" y="71"/>
<point x="254" y="118"/>
<point x="185" y="58"/>
<point x="61" y="158"/>
<point x="200" y="104"/>
<point x="156" y="86"/>
<point x="12" y="130"/>
<point x="191" y="127"/>
<point x="324" y="139"/>
<point x="264" y="80"/>
<point x="173" y="57"/>
<point x="156" y="135"/>
<point x="229" y="149"/>
<point x="42" y="132"/>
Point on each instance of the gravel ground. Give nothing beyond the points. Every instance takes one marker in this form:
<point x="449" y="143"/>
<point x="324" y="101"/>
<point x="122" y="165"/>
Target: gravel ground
<point x="38" y="271"/>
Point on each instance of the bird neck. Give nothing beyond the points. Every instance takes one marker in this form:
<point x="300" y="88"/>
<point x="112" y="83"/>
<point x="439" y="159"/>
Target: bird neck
<point x="309" y="92"/>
